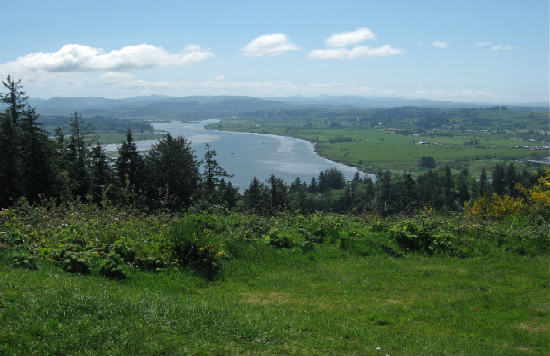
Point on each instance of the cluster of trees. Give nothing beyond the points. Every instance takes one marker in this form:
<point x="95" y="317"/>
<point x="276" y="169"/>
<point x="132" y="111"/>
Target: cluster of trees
<point x="65" y="167"/>
<point x="35" y="166"/>
<point x="390" y="194"/>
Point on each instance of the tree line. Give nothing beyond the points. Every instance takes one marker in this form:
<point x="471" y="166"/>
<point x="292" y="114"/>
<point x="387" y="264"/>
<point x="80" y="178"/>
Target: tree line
<point x="71" y="166"/>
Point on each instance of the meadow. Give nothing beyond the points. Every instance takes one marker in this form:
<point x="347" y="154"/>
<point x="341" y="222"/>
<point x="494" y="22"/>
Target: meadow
<point x="78" y="279"/>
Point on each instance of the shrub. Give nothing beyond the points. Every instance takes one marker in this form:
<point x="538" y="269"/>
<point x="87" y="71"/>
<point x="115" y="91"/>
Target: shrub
<point x="72" y="261"/>
<point x="124" y="248"/>
<point x="281" y="238"/>
<point x="195" y="246"/>
<point x="23" y="260"/>
<point x="113" y="267"/>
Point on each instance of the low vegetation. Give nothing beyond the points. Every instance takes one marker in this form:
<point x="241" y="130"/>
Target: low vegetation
<point x="83" y="279"/>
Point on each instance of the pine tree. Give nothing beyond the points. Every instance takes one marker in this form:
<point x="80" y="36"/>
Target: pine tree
<point x="408" y="194"/>
<point x="278" y="194"/>
<point x="483" y="189"/>
<point x="256" y="197"/>
<point x="498" y="184"/>
<point x="448" y="189"/>
<point x="129" y="164"/>
<point x="77" y="158"/>
<point x="172" y="173"/>
<point x="38" y="174"/>
<point x="212" y="173"/>
<point x="463" y="187"/>
<point x="9" y="161"/>
<point x="15" y="99"/>
<point x="100" y="173"/>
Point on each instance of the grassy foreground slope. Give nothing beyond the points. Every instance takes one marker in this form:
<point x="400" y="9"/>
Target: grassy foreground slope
<point x="285" y="302"/>
<point x="241" y="284"/>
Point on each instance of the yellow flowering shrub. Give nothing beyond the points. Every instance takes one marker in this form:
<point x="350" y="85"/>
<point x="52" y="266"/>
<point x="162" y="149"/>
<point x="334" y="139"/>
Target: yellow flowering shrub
<point x="496" y="206"/>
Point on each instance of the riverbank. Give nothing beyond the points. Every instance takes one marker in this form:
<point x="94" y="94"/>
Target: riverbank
<point x="374" y="149"/>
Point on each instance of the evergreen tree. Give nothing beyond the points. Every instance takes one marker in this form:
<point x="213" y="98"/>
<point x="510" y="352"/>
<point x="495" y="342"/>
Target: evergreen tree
<point x="129" y="164"/>
<point x="463" y="187"/>
<point x="498" y="184"/>
<point x="10" y="159"/>
<point x="230" y="195"/>
<point x="313" y="187"/>
<point x="278" y="194"/>
<point x="384" y="193"/>
<point x="100" y="172"/>
<point x="38" y="175"/>
<point x="448" y="189"/>
<point x="510" y="180"/>
<point x="369" y="195"/>
<point x="77" y="158"/>
<point x="331" y="179"/>
<point x="212" y="173"/>
<point x="9" y="143"/>
<point x="256" y="197"/>
<point x="172" y="173"/>
<point x="15" y="99"/>
<point x="408" y="194"/>
<point x="483" y="189"/>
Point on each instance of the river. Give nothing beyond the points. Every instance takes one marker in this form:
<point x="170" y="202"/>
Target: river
<point x="248" y="155"/>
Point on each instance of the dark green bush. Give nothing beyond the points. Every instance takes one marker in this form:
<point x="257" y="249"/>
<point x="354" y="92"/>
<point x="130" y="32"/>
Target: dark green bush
<point x="72" y="261"/>
<point x="24" y="260"/>
<point x="195" y="246"/>
<point x="124" y="248"/>
<point x="113" y="267"/>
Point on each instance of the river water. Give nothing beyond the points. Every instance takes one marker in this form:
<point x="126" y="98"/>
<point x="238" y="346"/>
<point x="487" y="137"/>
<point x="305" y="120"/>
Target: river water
<point x="248" y="155"/>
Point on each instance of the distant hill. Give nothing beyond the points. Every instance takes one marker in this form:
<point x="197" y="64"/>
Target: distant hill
<point x="191" y="107"/>
<point x="155" y="106"/>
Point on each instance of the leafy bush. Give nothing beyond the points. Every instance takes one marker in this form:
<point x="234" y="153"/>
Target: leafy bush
<point x="72" y="261"/>
<point x="124" y="248"/>
<point x="24" y="260"/>
<point x="430" y="234"/>
<point x="113" y="267"/>
<point x="286" y="238"/>
<point x="195" y="246"/>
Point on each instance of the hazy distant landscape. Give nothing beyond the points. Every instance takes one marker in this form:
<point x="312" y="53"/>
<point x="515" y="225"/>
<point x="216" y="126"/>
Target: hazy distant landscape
<point x="275" y="178"/>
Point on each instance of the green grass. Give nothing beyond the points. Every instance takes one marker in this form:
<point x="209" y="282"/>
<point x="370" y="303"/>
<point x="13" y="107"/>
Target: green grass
<point x="374" y="149"/>
<point x="285" y="302"/>
<point x="343" y="285"/>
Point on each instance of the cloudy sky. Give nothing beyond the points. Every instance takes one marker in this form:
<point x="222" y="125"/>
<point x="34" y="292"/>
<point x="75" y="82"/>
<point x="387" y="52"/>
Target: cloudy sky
<point x="490" y="51"/>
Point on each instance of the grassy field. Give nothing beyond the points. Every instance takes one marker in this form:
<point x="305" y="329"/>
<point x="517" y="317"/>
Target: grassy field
<point x="321" y="284"/>
<point x="374" y="149"/>
<point x="286" y="302"/>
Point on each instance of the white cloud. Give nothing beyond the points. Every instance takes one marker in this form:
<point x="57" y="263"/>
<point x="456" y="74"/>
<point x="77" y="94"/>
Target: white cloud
<point x="269" y="44"/>
<point x="503" y="48"/>
<point x="440" y="44"/>
<point x="219" y="77"/>
<point x="355" y="52"/>
<point x="117" y="76"/>
<point x="482" y="44"/>
<point x="79" y="58"/>
<point x="345" y="39"/>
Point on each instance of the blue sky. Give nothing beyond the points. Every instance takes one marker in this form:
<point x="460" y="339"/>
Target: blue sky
<point x="488" y="51"/>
